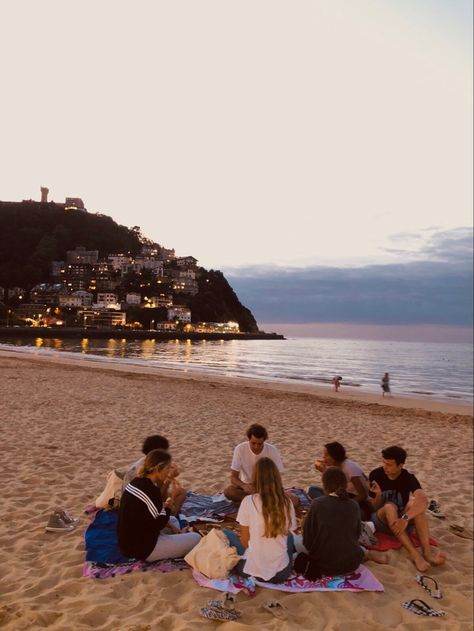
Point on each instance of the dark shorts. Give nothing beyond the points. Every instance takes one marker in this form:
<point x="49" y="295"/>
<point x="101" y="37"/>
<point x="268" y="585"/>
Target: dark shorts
<point x="383" y="527"/>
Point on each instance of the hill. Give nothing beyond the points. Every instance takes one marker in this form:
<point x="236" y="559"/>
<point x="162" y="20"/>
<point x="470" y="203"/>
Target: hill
<point x="33" y="234"/>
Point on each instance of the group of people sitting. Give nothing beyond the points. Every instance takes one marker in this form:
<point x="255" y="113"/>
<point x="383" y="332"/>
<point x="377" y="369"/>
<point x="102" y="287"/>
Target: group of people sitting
<point x="328" y="545"/>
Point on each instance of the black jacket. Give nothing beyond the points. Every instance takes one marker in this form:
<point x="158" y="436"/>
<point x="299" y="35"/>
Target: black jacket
<point x="141" y="517"/>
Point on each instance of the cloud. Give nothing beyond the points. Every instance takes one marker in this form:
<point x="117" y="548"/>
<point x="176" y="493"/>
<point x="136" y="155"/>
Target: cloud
<point x="437" y="291"/>
<point x="453" y="245"/>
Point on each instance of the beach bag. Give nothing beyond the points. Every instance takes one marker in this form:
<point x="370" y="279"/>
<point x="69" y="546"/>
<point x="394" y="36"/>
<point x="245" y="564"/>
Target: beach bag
<point x="110" y="496"/>
<point x="213" y="556"/>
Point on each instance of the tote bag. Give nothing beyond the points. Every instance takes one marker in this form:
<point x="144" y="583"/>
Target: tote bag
<point x="213" y="556"/>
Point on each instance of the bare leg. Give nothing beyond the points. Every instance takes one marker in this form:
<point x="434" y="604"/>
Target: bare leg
<point x="234" y="494"/>
<point x="378" y="557"/>
<point x="422" y="530"/>
<point x="388" y="513"/>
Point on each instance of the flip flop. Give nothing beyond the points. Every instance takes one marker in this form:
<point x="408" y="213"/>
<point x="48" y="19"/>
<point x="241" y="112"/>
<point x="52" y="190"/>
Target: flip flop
<point x="421" y="608"/>
<point x="223" y="610"/>
<point x="461" y="531"/>
<point x="227" y="603"/>
<point x="219" y="613"/>
<point x="276" y="609"/>
<point x="434" y="591"/>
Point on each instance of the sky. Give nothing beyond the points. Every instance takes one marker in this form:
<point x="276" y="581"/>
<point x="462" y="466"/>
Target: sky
<point x="261" y="137"/>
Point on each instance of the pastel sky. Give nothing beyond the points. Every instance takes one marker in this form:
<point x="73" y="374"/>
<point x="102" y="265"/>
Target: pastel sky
<point x="249" y="133"/>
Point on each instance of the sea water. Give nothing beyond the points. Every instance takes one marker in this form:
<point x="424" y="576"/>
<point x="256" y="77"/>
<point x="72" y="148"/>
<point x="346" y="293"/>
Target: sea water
<point x="441" y="371"/>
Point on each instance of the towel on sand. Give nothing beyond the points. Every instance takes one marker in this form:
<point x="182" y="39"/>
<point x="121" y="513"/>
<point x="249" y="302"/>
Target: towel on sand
<point x="360" y="580"/>
<point x="389" y="542"/>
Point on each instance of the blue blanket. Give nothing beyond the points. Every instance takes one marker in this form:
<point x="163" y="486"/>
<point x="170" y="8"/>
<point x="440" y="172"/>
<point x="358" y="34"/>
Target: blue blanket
<point x="103" y="556"/>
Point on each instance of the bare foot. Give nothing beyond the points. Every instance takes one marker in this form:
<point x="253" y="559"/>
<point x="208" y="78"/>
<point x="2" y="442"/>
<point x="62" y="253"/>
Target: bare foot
<point x="378" y="557"/>
<point x="436" y="559"/>
<point x="420" y="563"/>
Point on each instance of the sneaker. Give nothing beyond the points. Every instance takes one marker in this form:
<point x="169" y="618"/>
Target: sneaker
<point x="435" y="510"/>
<point x="66" y="517"/>
<point x="56" y="523"/>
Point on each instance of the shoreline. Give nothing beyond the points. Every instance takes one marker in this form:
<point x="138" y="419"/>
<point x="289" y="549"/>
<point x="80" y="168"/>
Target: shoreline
<point x="346" y="395"/>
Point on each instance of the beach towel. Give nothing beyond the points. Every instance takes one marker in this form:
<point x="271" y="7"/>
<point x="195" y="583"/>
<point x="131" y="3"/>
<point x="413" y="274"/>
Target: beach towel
<point x="389" y="542"/>
<point x="359" y="581"/>
<point x="103" y="556"/>
<point x="203" y="506"/>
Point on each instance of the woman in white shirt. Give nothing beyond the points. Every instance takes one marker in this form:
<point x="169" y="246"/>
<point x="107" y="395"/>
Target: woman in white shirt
<point x="266" y="520"/>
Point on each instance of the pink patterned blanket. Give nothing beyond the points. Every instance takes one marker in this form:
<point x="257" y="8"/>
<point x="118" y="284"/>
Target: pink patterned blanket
<point x="361" y="580"/>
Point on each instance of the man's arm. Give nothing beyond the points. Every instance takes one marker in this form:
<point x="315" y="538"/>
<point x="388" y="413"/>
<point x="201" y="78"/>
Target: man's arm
<point x="415" y="507"/>
<point x="236" y="481"/>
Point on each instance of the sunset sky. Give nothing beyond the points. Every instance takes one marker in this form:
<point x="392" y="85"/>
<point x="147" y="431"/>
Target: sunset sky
<point x="272" y="140"/>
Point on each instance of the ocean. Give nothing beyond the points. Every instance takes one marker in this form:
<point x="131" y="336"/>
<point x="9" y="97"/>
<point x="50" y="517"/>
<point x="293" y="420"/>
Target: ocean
<point x="438" y="371"/>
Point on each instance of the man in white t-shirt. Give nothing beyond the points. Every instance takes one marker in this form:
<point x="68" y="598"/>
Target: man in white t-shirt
<point x="245" y="456"/>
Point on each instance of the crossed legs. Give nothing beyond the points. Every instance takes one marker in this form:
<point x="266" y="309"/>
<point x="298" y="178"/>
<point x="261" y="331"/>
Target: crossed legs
<point x="389" y="514"/>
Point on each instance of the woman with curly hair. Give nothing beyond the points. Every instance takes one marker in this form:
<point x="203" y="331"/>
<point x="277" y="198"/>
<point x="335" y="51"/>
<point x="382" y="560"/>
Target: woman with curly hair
<point x="266" y="520"/>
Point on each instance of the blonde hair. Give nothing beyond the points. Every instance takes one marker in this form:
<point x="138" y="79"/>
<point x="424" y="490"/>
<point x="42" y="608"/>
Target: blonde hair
<point x="275" y="504"/>
<point x="155" y="459"/>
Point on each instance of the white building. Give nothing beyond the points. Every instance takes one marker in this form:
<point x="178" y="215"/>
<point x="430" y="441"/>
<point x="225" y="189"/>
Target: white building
<point x="85" y="297"/>
<point x="69" y="300"/>
<point x="186" y="261"/>
<point x="133" y="298"/>
<point x="119" y="262"/>
<point x="163" y="300"/>
<point x="165" y="326"/>
<point x="107" y="300"/>
<point x="183" y="314"/>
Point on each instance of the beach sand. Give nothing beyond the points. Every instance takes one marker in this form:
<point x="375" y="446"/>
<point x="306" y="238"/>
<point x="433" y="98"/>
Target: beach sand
<point x="65" y="424"/>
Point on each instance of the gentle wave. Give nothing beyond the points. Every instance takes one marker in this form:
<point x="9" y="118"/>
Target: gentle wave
<point x="432" y="371"/>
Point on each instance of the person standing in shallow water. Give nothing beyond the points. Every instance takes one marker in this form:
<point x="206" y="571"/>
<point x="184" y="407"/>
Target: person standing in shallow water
<point x="385" y="384"/>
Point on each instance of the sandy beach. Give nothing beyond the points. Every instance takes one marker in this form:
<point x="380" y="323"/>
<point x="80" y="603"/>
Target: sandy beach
<point x="66" y="423"/>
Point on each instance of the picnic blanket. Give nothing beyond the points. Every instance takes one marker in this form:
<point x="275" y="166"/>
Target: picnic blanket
<point x="359" y="581"/>
<point x="389" y="542"/>
<point x="203" y="506"/>
<point x="103" y="557"/>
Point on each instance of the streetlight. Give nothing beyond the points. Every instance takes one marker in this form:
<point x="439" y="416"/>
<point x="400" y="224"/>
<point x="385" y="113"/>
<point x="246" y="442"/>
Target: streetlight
<point x="152" y="325"/>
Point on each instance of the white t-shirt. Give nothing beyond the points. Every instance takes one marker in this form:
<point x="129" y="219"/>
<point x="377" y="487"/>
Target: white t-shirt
<point x="265" y="556"/>
<point x="353" y="470"/>
<point x="244" y="459"/>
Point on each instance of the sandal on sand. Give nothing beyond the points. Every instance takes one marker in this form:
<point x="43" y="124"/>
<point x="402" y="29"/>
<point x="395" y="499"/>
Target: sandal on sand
<point x="219" y="613"/>
<point x="421" y="608"/>
<point x="434" y="591"/>
<point x="276" y="609"/>
<point x="461" y="531"/>
<point x="221" y="609"/>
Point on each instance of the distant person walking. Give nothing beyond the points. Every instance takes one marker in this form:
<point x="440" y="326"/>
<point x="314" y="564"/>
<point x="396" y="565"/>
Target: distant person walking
<point x="337" y="383"/>
<point x="385" y="384"/>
